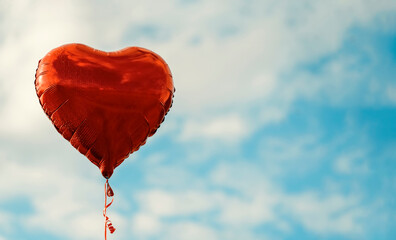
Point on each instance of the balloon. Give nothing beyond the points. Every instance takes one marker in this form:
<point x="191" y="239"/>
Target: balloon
<point x="105" y="103"/>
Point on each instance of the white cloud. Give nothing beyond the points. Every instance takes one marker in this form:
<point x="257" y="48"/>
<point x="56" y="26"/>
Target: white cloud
<point x="391" y="93"/>
<point x="224" y="128"/>
<point x="145" y="224"/>
<point x="62" y="202"/>
<point x="238" y="197"/>
<point x="190" y="230"/>
<point x="333" y="214"/>
<point x="300" y="154"/>
<point x="352" y="163"/>
<point x="7" y="222"/>
<point x="163" y="203"/>
<point x="248" y="211"/>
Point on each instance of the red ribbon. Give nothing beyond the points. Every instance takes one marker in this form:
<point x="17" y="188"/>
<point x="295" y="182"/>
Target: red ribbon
<point x="108" y="193"/>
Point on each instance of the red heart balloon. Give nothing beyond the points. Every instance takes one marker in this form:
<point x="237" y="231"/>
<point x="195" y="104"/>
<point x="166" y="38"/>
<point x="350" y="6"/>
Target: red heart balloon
<point x="105" y="103"/>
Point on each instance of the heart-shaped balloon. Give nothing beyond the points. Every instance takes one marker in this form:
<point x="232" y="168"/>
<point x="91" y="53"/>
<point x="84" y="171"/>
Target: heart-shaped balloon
<point x="105" y="103"/>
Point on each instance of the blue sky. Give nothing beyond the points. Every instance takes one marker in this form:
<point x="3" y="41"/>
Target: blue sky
<point x="283" y="123"/>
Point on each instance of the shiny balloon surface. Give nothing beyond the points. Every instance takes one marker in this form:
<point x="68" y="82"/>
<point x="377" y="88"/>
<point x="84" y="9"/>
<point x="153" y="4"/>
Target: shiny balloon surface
<point x="105" y="103"/>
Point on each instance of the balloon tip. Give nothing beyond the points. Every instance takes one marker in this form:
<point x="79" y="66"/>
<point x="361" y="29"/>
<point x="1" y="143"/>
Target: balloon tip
<point x="106" y="172"/>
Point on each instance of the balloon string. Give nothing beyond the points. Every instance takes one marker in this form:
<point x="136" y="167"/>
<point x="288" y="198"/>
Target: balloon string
<point x="108" y="193"/>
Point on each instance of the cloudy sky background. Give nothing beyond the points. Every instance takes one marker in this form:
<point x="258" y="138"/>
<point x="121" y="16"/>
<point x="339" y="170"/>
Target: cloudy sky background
<point x="283" y="123"/>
